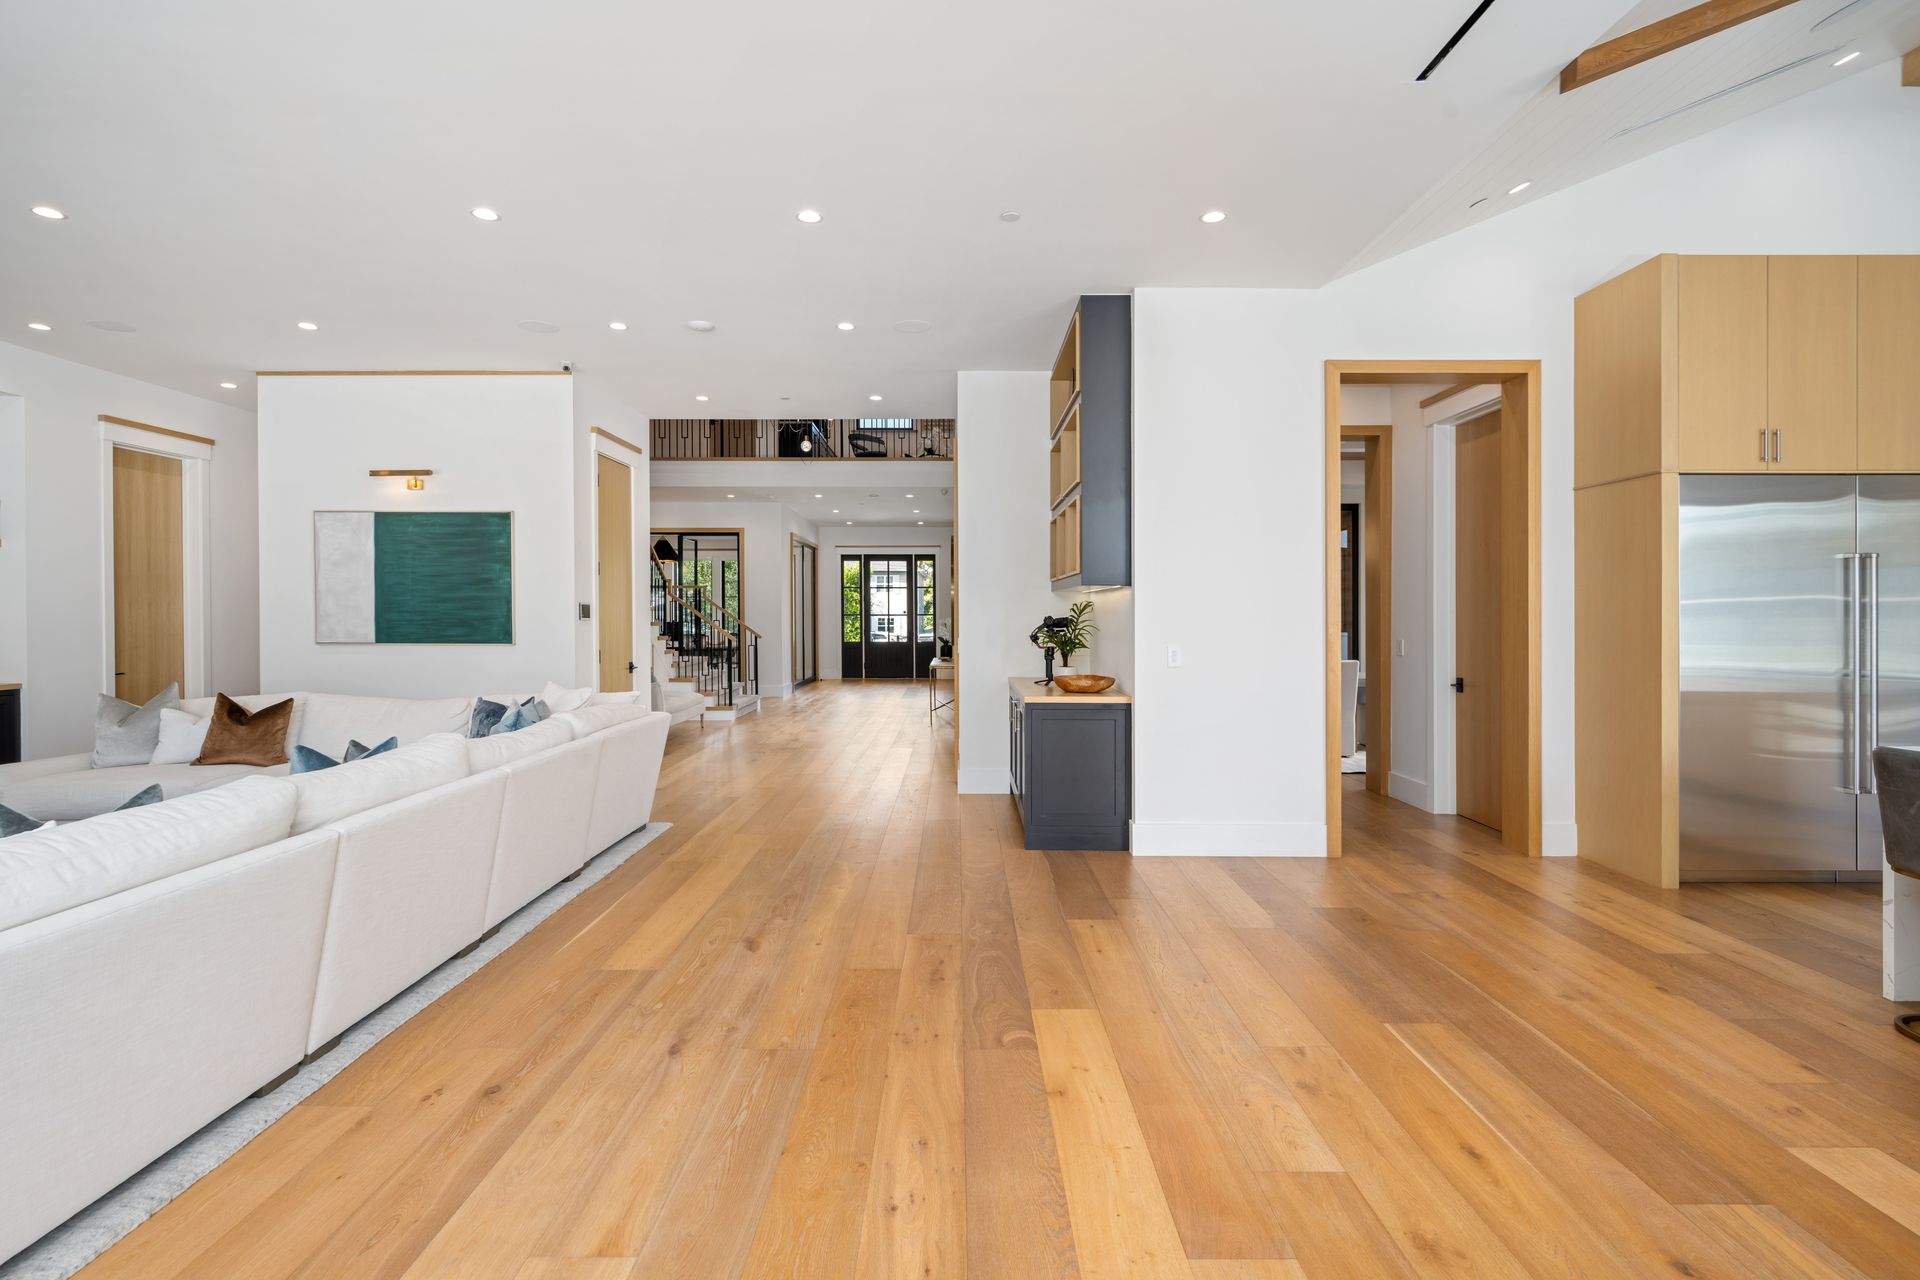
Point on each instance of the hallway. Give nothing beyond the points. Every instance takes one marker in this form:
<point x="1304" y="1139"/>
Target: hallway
<point x="838" y="1023"/>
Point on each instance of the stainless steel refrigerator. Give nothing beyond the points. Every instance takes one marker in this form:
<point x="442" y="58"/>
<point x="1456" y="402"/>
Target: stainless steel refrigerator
<point x="1799" y="652"/>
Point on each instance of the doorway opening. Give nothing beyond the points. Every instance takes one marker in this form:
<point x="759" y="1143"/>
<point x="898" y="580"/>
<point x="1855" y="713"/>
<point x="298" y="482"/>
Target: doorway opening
<point x="888" y="615"/>
<point x="1364" y="545"/>
<point x="1495" y="575"/>
<point x="804" y="570"/>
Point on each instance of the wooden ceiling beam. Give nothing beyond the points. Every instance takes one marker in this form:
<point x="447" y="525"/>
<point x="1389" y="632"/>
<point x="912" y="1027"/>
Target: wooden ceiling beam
<point x="1660" y="37"/>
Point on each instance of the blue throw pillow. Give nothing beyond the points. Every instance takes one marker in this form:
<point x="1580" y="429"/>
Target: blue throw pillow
<point x="13" y="822"/>
<point x="486" y="714"/>
<point x="144" y="796"/>
<point x="528" y="713"/>
<point x="307" y="760"/>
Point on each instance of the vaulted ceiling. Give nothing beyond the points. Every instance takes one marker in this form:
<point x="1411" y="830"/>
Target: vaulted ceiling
<point x="231" y="168"/>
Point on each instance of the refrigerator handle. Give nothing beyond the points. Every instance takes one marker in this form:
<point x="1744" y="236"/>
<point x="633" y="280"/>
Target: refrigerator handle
<point x="1852" y="773"/>
<point x="1871" y="656"/>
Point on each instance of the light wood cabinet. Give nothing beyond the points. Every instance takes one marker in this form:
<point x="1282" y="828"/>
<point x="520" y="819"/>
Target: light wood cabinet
<point x="1746" y="363"/>
<point x="1813" y="320"/>
<point x="1090" y="448"/>
<point x="1889" y="364"/>
<point x="1720" y="363"/>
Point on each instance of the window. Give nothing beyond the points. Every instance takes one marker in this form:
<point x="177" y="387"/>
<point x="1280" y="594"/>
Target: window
<point x="923" y="591"/>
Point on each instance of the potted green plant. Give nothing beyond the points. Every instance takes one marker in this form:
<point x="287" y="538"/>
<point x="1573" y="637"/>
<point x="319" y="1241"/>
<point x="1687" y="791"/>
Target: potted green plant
<point x="1072" y="634"/>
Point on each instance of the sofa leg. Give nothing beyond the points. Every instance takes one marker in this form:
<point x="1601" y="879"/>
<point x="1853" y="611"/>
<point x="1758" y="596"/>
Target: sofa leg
<point x="474" y="946"/>
<point x="280" y="1079"/>
<point x="576" y="874"/>
<point x="324" y="1049"/>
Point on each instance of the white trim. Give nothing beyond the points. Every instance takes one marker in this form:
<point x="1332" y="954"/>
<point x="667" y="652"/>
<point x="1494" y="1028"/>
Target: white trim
<point x="196" y="560"/>
<point x="1442" y="795"/>
<point x="1230" y="839"/>
<point x="1559" y="840"/>
<point x="982" y="782"/>
<point x="1407" y="790"/>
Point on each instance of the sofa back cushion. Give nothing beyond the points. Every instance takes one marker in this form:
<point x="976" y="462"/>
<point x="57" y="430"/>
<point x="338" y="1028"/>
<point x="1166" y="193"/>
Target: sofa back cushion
<point x="497" y="749"/>
<point x="591" y="719"/>
<point x="42" y="872"/>
<point x="332" y="794"/>
<point x="334" y="719"/>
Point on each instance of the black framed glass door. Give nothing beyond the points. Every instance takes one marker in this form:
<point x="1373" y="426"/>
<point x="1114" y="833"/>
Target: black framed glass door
<point x="880" y="618"/>
<point x="806" y="611"/>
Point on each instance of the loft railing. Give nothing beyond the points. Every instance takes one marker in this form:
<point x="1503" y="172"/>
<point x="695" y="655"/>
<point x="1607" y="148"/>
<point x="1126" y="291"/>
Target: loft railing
<point x="802" y="439"/>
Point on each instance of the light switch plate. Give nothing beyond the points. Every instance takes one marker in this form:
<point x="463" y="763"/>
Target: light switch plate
<point x="1174" y="656"/>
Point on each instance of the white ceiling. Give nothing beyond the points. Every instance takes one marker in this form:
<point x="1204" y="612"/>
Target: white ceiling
<point x="858" y="506"/>
<point x="232" y="167"/>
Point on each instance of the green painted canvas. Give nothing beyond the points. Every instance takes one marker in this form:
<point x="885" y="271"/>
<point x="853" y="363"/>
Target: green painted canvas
<point x="443" y="577"/>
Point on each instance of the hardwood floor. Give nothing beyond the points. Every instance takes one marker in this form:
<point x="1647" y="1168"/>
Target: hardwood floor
<point x="837" y="1023"/>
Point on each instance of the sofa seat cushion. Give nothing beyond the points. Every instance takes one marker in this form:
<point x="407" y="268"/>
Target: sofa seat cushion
<point x="497" y="749"/>
<point x="334" y="719"/>
<point x="590" y="720"/>
<point x="42" y="872"/>
<point x="331" y="794"/>
<point x="83" y="793"/>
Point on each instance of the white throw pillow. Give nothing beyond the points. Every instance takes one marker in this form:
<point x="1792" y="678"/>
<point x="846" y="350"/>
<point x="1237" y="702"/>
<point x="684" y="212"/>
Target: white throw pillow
<point x="182" y="734"/>
<point x="559" y="699"/>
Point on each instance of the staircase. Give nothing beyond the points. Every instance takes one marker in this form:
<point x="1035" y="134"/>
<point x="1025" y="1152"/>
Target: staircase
<point x="709" y="656"/>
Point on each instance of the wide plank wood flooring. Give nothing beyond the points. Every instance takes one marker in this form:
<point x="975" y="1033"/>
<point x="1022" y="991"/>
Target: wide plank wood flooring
<point x="838" y="1023"/>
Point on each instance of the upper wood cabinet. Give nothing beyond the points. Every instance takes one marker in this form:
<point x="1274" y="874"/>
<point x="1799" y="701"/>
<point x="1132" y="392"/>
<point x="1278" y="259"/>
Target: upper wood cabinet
<point x="1090" y="448"/>
<point x="1813" y="363"/>
<point x="1748" y="363"/>
<point x="1890" y="364"/>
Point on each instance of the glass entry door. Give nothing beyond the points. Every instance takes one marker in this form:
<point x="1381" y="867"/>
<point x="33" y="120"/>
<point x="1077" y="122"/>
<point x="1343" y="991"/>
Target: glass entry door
<point x="888" y="616"/>
<point x="806" y="612"/>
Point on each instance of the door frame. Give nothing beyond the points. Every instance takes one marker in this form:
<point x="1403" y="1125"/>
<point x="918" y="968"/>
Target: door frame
<point x="607" y="445"/>
<point x="797" y="626"/>
<point x="195" y="454"/>
<point x="1519" y="381"/>
<point x="1376" y="608"/>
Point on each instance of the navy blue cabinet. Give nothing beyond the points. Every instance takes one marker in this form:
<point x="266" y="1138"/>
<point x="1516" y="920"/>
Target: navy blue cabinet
<point x="1070" y="766"/>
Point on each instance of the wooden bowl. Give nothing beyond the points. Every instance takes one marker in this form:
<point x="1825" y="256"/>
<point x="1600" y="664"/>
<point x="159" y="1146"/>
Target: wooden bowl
<point x="1084" y="684"/>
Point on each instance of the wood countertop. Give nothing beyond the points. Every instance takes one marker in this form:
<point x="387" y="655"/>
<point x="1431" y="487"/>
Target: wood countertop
<point x="1025" y="689"/>
<point x="8" y="688"/>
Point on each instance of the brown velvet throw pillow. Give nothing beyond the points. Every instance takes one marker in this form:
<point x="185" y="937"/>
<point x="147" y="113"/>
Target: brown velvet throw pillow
<point x="236" y="735"/>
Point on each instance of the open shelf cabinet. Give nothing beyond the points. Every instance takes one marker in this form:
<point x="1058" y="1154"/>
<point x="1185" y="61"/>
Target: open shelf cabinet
<point x="1090" y="454"/>
<point x="1064" y="460"/>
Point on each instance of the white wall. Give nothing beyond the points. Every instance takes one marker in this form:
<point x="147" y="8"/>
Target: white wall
<point x="1001" y="514"/>
<point x="764" y="550"/>
<point x="872" y="540"/>
<point x="495" y="443"/>
<point x="1224" y="765"/>
<point x="52" y="497"/>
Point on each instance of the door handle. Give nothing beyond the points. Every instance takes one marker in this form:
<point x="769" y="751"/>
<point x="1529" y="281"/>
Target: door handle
<point x="1459" y="684"/>
<point x="1871" y="646"/>
<point x="1852" y="770"/>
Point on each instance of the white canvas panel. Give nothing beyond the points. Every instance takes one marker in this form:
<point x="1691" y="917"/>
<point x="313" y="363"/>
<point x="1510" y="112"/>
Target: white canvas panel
<point x="343" y="577"/>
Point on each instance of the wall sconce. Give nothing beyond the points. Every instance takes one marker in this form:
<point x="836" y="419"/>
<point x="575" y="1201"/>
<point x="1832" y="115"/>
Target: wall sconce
<point x="416" y="480"/>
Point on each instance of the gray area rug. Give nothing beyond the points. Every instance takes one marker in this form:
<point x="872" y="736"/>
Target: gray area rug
<point x="96" y="1228"/>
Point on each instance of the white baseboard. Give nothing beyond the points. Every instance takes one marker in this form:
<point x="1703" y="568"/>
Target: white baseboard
<point x="1230" y="839"/>
<point x="985" y="782"/>
<point x="1413" y="791"/>
<point x="1559" y="840"/>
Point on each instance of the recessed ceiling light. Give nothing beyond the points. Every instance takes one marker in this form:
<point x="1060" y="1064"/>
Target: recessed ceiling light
<point x="873" y="397"/>
<point x="909" y="495"/>
<point x="916" y="511"/>
<point x="729" y="495"/>
<point x="1843" y="62"/>
<point x="111" y="326"/>
<point x="486" y="215"/>
<point x="617" y="326"/>
<point x="919" y="521"/>
<point x="1011" y="215"/>
<point x="1514" y="191"/>
<point x="700" y="326"/>
<point x="786" y="397"/>
<point x="849" y="522"/>
<point x="912" y="326"/>
<point x="836" y="511"/>
<point x="308" y="325"/>
<point x="845" y="325"/>
<point x="35" y="324"/>
<point x="1213" y="215"/>
<point x="819" y="495"/>
<point x="808" y="215"/>
<point x="539" y="326"/>
<point x="230" y="386"/>
<point x="699" y="397"/>
<point x="49" y="212"/>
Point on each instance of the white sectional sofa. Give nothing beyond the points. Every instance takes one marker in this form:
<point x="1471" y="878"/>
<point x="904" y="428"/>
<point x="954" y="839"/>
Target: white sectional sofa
<point x="159" y="964"/>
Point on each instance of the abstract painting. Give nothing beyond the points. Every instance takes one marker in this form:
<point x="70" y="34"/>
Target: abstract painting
<point x="413" y="577"/>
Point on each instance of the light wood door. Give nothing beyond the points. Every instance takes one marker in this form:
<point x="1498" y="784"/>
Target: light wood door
<point x="1813" y="317"/>
<point x="1476" y="621"/>
<point x="615" y="481"/>
<point x="149" y="575"/>
<point x="1890" y="363"/>
<point x="1720" y="334"/>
